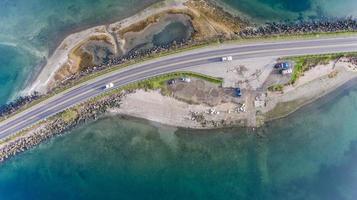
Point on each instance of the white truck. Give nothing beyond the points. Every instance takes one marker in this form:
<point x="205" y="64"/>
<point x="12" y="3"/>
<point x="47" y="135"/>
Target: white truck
<point x="109" y="85"/>
<point x="227" y="58"/>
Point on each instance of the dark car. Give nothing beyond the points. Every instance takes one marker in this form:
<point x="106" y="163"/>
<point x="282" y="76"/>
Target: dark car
<point x="171" y="82"/>
<point x="282" y="65"/>
<point x="238" y="92"/>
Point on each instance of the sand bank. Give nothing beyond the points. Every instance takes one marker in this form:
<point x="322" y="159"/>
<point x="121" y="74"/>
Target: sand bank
<point x="62" y="54"/>
<point x="76" y="51"/>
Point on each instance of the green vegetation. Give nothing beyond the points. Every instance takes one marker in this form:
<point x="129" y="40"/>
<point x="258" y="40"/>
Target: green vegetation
<point x="69" y="115"/>
<point x="159" y="82"/>
<point x="304" y="63"/>
<point x="276" y="88"/>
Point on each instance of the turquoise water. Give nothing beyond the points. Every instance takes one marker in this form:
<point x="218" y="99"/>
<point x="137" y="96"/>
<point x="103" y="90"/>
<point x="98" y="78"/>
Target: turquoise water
<point x="310" y="155"/>
<point x="35" y="27"/>
<point x="175" y="31"/>
<point x="282" y="10"/>
<point x="15" y="67"/>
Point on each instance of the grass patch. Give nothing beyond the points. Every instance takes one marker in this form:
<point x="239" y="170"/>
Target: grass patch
<point x="276" y="88"/>
<point x="304" y="63"/>
<point x="69" y="115"/>
<point x="283" y="109"/>
<point x="159" y="82"/>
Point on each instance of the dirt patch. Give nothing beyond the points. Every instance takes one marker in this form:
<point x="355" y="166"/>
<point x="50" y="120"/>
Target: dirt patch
<point x="199" y="92"/>
<point x="153" y="106"/>
<point x="139" y="26"/>
<point x="210" y="20"/>
<point x="283" y="109"/>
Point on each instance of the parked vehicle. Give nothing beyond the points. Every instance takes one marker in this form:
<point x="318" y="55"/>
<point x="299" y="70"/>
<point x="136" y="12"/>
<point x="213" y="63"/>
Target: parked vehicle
<point x="238" y="92"/>
<point x="171" y="82"/>
<point x="287" y="71"/>
<point x="283" y="65"/>
<point x="185" y="79"/>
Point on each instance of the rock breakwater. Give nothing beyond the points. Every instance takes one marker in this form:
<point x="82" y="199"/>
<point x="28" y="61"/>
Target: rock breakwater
<point x="59" y="124"/>
<point x="17" y="104"/>
<point x="301" y="27"/>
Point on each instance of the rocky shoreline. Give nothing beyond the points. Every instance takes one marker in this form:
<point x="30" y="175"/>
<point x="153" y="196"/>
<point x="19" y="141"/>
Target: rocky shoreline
<point x="58" y="125"/>
<point x="20" y="102"/>
<point x="302" y="27"/>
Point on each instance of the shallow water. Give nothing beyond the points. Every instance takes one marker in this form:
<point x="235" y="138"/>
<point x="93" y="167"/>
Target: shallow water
<point x="37" y="26"/>
<point x="310" y="155"/>
<point x="175" y="31"/>
<point x="291" y="10"/>
<point x="16" y="66"/>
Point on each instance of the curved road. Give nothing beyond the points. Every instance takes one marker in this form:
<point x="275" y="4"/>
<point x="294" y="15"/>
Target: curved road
<point x="177" y="62"/>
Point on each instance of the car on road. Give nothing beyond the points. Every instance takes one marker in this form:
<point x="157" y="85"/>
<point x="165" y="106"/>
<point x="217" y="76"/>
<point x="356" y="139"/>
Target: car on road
<point x="227" y="58"/>
<point x="109" y="85"/>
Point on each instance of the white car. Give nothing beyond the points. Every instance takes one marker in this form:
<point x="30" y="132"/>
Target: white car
<point x="227" y="58"/>
<point x="109" y="85"/>
<point x="185" y="79"/>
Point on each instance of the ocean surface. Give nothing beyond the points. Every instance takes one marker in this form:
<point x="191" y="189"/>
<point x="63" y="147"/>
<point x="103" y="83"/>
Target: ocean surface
<point x="310" y="155"/>
<point x="292" y="10"/>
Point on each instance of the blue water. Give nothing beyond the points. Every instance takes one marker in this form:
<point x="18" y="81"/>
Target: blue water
<point x="15" y="68"/>
<point x="37" y="26"/>
<point x="175" y="31"/>
<point x="310" y="155"/>
<point x="291" y="10"/>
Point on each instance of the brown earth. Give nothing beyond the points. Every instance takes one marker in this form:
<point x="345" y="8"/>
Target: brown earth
<point x="210" y="20"/>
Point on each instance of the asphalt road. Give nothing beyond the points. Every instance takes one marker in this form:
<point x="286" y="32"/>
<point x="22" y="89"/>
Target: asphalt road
<point x="177" y="62"/>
